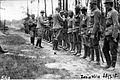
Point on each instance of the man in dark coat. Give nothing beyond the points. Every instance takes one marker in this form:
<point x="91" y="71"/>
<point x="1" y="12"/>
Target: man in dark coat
<point x="111" y="35"/>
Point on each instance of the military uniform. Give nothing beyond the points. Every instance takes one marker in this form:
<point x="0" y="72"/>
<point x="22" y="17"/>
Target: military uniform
<point x="40" y="29"/>
<point x="84" y="33"/>
<point x="94" y="32"/>
<point x="65" y="29"/>
<point x="32" y="27"/>
<point x="57" y="29"/>
<point x="70" y="30"/>
<point x="77" y="31"/>
<point x="111" y="37"/>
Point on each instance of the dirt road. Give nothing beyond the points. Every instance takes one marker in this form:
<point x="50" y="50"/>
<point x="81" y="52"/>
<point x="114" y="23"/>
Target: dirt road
<point x="43" y="64"/>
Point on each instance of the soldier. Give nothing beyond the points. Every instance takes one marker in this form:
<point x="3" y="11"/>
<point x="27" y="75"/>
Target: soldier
<point x="94" y="30"/>
<point x="26" y="24"/>
<point x="40" y="29"/>
<point x="65" y="28"/>
<point x="32" y="27"/>
<point x="57" y="27"/>
<point x="50" y="28"/>
<point x="111" y="35"/>
<point x="84" y="32"/>
<point x="76" y="31"/>
<point x="70" y="32"/>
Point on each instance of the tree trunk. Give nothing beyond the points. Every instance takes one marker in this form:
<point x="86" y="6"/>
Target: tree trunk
<point x="98" y="3"/>
<point x="52" y="5"/>
<point x="45" y="8"/>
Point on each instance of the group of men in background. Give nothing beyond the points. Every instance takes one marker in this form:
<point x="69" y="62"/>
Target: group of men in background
<point x="72" y="30"/>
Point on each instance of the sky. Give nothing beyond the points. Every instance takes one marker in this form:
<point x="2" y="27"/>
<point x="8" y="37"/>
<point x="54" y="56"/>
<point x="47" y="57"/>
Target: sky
<point x="15" y="9"/>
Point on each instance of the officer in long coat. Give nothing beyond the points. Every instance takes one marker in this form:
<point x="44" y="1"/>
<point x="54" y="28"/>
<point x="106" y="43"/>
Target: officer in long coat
<point x="111" y="35"/>
<point x="94" y="30"/>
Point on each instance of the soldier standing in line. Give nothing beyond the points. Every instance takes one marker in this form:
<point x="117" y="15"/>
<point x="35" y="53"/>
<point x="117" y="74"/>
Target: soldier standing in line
<point x="65" y="29"/>
<point x="32" y="27"/>
<point x="57" y="27"/>
<point x="84" y="32"/>
<point x="70" y="28"/>
<point x="94" y="31"/>
<point x="40" y="29"/>
<point x="111" y="35"/>
<point x="50" y="28"/>
<point x="77" y="31"/>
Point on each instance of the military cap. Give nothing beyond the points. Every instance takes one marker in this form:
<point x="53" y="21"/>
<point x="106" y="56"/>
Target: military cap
<point x="33" y="15"/>
<point x="77" y="7"/>
<point x="42" y="11"/>
<point x="58" y="9"/>
<point x="93" y="1"/>
<point x="108" y="1"/>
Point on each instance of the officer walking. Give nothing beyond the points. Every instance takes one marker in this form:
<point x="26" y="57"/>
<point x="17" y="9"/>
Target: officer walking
<point x="111" y="35"/>
<point x="94" y="30"/>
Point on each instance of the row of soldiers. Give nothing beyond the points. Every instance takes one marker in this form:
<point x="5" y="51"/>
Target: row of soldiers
<point x="74" y="30"/>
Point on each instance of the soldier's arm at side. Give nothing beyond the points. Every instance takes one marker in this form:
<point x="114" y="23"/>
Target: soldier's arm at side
<point x="115" y="24"/>
<point x="96" y="22"/>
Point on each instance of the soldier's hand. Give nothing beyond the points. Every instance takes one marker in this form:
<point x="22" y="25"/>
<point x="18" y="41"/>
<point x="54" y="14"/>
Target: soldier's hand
<point x="92" y="36"/>
<point x="115" y="40"/>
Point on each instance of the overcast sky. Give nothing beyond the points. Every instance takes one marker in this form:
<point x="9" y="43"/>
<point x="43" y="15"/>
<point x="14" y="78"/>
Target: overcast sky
<point x="14" y="9"/>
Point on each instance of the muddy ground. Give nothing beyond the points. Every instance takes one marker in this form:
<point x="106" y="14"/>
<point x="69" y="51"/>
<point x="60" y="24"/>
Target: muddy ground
<point x="26" y="62"/>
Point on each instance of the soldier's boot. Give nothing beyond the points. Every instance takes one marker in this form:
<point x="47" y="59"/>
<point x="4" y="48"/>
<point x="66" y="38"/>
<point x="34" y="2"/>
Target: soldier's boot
<point x="70" y="46"/>
<point x="74" y="48"/>
<point x="88" y="51"/>
<point x="92" y="54"/>
<point x="37" y="43"/>
<point x="32" y="40"/>
<point x="107" y="57"/>
<point x="79" y="49"/>
<point x="56" y="44"/>
<point x="2" y="51"/>
<point x="97" y="55"/>
<point x="85" y="51"/>
<point x="53" y="44"/>
<point x="40" y="43"/>
<point x="113" y="57"/>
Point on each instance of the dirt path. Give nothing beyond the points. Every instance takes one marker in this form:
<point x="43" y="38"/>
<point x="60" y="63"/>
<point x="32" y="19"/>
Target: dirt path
<point x="63" y="65"/>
